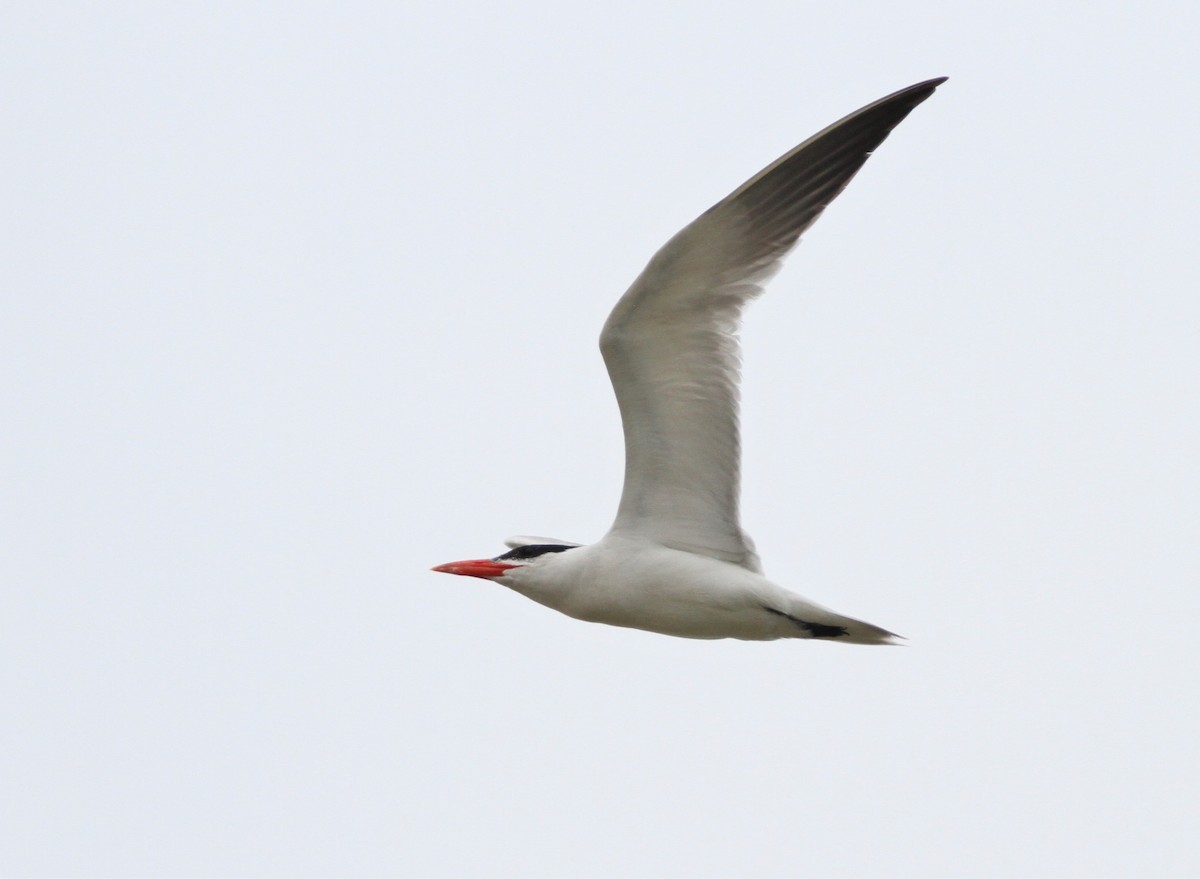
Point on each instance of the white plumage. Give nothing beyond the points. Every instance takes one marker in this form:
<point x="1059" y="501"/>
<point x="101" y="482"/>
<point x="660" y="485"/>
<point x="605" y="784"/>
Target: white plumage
<point x="676" y="560"/>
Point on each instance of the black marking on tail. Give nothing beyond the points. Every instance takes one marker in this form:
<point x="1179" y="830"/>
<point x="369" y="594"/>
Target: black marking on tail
<point x="815" y="630"/>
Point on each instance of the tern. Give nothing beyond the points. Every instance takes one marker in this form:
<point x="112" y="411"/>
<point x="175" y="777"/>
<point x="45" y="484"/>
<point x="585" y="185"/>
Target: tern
<point x="676" y="560"/>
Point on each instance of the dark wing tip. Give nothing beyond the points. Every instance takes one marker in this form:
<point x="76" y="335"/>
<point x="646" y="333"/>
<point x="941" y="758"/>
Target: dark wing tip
<point x="787" y="196"/>
<point x="915" y="93"/>
<point x="919" y="90"/>
<point x="930" y="83"/>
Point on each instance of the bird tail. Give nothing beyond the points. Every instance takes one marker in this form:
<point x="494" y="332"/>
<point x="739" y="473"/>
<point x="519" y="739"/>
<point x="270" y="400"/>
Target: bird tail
<point x="858" y="632"/>
<point x="814" y="621"/>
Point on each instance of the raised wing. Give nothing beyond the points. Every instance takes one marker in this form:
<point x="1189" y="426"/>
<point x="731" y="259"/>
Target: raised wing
<point x="671" y="345"/>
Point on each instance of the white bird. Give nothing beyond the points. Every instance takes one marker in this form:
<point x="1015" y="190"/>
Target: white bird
<point x="676" y="560"/>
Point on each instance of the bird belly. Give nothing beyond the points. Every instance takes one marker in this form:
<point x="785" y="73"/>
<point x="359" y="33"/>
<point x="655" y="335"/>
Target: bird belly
<point x="689" y="597"/>
<point x="687" y="620"/>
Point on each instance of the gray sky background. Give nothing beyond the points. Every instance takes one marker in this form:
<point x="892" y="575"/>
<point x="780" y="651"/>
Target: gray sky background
<point x="300" y="300"/>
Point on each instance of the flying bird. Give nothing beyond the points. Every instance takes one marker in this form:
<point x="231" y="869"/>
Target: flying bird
<point x="676" y="560"/>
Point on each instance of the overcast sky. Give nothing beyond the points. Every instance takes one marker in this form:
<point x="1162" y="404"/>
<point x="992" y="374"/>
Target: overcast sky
<point x="302" y="299"/>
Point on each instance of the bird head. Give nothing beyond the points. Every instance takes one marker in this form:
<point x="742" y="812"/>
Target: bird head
<point x="530" y="555"/>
